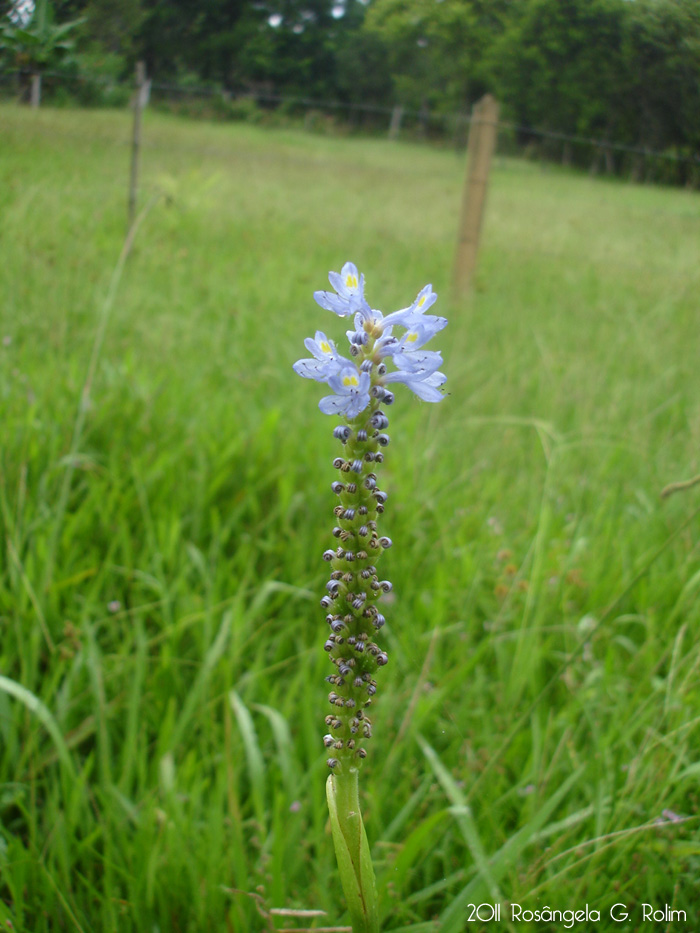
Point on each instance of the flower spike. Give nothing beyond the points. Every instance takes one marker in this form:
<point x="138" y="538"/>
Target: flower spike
<point x="360" y="392"/>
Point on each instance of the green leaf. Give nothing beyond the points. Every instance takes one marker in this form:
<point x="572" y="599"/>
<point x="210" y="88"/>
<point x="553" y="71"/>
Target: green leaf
<point x="352" y="851"/>
<point x="43" y="714"/>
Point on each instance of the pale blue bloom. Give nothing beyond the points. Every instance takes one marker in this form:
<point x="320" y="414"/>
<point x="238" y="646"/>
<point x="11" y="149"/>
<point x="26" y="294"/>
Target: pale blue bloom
<point x="414" y="338"/>
<point x="424" y="383"/>
<point x="418" y="370"/>
<point x="350" y="381"/>
<point x="349" y="298"/>
<point x="425" y="361"/>
<point x="326" y="362"/>
<point x="408" y="317"/>
<point x="351" y="392"/>
<point x="322" y="347"/>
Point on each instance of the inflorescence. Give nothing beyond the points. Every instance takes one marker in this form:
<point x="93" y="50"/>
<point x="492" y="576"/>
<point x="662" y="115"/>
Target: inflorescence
<point x="359" y="394"/>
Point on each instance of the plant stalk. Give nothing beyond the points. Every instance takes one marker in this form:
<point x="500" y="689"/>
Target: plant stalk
<point x="352" y="850"/>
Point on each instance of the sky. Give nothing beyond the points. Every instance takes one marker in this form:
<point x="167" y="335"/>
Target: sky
<point x="21" y="12"/>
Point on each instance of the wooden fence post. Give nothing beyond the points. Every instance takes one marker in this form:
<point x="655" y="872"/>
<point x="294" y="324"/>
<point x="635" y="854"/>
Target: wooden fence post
<point x="482" y="141"/>
<point x="140" y="97"/>
<point x="395" y="125"/>
<point x="35" y="89"/>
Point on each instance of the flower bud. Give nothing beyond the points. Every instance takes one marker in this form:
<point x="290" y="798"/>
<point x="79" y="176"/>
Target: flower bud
<point x="379" y="420"/>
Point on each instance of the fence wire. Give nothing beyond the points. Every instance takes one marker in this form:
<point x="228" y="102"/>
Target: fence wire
<point x="322" y="115"/>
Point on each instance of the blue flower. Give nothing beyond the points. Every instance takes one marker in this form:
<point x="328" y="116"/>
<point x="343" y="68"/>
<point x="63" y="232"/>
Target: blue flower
<point x="412" y="340"/>
<point x="423" y="382"/>
<point x="371" y="342"/>
<point x="426" y="361"/>
<point x="321" y="346"/>
<point x="418" y="369"/>
<point x="326" y="360"/>
<point x="349" y="298"/>
<point x="414" y="314"/>
<point x="351" y="392"/>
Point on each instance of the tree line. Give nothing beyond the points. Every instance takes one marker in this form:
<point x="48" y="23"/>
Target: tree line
<point x="621" y="70"/>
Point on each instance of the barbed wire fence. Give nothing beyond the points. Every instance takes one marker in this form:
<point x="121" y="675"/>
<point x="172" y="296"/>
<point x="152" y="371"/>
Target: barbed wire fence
<point x="481" y="133"/>
<point x="599" y="155"/>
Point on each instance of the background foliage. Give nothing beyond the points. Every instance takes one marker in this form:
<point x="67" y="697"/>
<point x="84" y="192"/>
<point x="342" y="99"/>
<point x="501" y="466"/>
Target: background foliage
<point x="613" y="69"/>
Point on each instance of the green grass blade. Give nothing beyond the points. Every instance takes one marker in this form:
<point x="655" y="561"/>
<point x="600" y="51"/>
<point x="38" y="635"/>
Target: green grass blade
<point x="43" y="714"/>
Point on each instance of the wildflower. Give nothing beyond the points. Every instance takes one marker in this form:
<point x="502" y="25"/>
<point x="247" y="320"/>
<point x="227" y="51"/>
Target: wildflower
<point x="380" y="358"/>
<point x="424" y="385"/>
<point x="412" y="340"/>
<point x="351" y="392"/>
<point x="349" y="298"/>
<point x="326" y="361"/>
<point x="415" y="312"/>
<point x="372" y="344"/>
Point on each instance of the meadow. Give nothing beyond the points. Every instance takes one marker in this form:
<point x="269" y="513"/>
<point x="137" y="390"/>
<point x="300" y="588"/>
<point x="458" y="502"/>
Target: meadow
<point x="162" y="695"/>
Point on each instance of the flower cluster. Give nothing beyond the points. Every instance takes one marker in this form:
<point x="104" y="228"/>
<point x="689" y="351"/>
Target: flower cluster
<point x="359" y="387"/>
<point x="373" y="344"/>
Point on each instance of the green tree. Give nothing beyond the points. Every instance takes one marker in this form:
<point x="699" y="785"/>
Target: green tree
<point x="300" y="39"/>
<point x="362" y="69"/>
<point x="438" y="51"/>
<point x="38" y="44"/>
<point x="662" y="88"/>
<point x="114" y="26"/>
<point x="559" y="64"/>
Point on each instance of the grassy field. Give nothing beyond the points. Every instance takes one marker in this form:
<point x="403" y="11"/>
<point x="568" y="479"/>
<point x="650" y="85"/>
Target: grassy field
<point x="537" y="730"/>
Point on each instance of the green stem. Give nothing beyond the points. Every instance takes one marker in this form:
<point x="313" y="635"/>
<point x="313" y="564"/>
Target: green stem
<point x="352" y="850"/>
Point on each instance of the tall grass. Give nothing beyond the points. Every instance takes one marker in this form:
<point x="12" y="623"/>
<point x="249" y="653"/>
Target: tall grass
<point x="161" y="691"/>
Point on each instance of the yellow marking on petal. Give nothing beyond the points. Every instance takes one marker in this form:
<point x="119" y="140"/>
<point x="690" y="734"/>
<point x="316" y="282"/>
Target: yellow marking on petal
<point x="412" y="337"/>
<point x="350" y="380"/>
<point x="325" y="347"/>
<point x="350" y="280"/>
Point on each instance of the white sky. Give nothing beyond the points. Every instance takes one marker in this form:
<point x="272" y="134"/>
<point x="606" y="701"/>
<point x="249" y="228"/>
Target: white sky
<point x="21" y="12"/>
